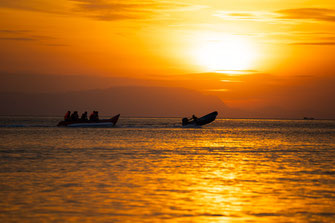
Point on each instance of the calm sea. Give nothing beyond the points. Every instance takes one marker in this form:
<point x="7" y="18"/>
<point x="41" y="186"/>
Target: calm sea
<point x="152" y="170"/>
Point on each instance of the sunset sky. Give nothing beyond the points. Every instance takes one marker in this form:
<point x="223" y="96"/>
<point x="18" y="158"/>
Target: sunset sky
<point x="265" y="56"/>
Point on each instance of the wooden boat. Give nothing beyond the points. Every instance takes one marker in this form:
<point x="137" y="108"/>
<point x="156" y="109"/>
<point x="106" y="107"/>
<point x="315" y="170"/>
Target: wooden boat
<point x="99" y="123"/>
<point x="200" y="121"/>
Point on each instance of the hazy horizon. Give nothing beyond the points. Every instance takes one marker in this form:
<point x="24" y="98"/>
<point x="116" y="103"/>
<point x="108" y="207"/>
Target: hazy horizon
<point x="74" y="84"/>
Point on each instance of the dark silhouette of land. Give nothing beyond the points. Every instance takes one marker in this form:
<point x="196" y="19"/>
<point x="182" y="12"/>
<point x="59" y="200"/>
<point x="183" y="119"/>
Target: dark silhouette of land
<point x="128" y="101"/>
<point x="252" y="96"/>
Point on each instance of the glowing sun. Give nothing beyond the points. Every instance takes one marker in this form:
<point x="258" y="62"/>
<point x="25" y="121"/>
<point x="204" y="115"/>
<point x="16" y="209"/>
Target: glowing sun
<point x="225" y="53"/>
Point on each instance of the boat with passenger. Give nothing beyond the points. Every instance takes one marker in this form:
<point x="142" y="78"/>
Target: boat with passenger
<point x="94" y="121"/>
<point x="195" y="121"/>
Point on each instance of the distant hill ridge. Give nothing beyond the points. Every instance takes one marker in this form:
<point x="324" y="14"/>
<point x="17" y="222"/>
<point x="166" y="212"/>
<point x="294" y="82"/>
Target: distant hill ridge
<point x="126" y="100"/>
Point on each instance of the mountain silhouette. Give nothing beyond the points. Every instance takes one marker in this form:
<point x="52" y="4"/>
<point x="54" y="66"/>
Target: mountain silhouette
<point x="126" y="100"/>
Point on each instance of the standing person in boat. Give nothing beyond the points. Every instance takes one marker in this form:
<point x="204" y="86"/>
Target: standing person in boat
<point x="75" y="116"/>
<point x="195" y="118"/>
<point x="84" y="116"/>
<point x="67" y="116"/>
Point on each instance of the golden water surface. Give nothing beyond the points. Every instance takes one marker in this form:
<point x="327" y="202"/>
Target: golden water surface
<point x="152" y="170"/>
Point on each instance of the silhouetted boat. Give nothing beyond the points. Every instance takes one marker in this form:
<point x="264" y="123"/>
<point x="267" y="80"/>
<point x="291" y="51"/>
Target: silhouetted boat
<point x="308" y="118"/>
<point x="200" y="121"/>
<point x="99" y="123"/>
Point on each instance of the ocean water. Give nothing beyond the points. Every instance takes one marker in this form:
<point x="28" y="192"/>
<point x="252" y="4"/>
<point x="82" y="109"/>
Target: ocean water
<point x="153" y="170"/>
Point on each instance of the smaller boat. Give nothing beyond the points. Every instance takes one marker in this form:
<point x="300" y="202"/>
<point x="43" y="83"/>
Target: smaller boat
<point x="308" y="118"/>
<point x="200" y="121"/>
<point x="98" y="123"/>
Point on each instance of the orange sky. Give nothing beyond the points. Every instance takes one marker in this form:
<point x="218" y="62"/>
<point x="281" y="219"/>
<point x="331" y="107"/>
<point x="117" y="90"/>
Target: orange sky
<point x="254" y="55"/>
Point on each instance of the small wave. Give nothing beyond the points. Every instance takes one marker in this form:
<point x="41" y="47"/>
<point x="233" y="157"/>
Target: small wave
<point x="26" y="126"/>
<point x="12" y="126"/>
<point x="149" y="126"/>
<point x="117" y="126"/>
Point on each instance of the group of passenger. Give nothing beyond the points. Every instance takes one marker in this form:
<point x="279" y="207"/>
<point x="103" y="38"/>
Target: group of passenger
<point x="94" y="116"/>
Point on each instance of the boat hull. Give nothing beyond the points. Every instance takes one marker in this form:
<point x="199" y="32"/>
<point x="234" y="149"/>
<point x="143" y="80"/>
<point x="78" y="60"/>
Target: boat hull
<point x="99" y="123"/>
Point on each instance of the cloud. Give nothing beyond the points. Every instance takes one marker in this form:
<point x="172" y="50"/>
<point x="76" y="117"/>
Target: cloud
<point x="9" y="31"/>
<point x="285" y="15"/>
<point x="28" y="36"/>
<point x="241" y="14"/>
<point x="106" y="10"/>
<point x="245" y="15"/>
<point x="294" y="35"/>
<point x="110" y="10"/>
<point x="314" y="43"/>
<point x="47" y="6"/>
<point x="17" y="38"/>
<point x="318" y="14"/>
